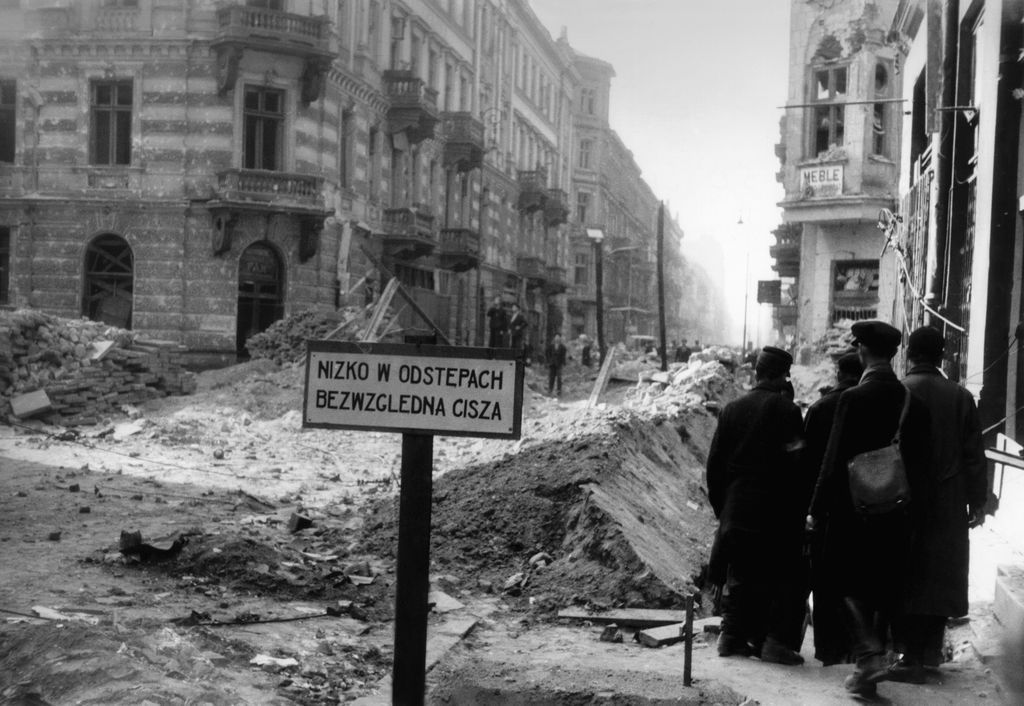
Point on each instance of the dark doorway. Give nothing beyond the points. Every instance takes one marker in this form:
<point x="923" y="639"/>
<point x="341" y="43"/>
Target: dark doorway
<point x="260" y="292"/>
<point x="109" y="280"/>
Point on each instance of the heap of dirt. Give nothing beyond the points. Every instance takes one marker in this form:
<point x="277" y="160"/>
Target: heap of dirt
<point x="620" y="514"/>
<point x="696" y="383"/>
<point x="284" y="341"/>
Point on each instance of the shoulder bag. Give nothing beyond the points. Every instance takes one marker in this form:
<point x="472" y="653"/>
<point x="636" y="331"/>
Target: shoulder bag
<point x="878" y="479"/>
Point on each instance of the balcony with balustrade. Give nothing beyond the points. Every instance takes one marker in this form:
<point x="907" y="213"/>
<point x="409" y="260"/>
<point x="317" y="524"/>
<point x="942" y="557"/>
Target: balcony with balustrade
<point x="533" y="192"/>
<point x="412" y="105"/>
<point x="556" y="207"/>
<point x="408" y="233"/>
<point x="531" y="269"/>
<point x="463" y="141"/>
<point x="555" y="281"/>
<point x="786" y="251"/>
<point x="241" y="28"/>
<point x="460" y="249"/>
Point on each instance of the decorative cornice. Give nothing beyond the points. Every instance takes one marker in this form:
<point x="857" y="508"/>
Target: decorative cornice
<point x="79" y="48"/>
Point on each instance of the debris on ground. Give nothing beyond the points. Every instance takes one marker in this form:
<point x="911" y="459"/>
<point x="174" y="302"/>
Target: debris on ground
<point x="284" y="341"/>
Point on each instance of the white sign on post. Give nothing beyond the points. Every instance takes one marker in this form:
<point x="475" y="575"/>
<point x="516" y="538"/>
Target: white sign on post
<point x="420" y="389"/>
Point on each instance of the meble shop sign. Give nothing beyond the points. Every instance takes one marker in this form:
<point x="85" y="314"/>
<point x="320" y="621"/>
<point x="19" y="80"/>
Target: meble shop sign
<point x="822" y="180"/>
<point x="444" y="390"/>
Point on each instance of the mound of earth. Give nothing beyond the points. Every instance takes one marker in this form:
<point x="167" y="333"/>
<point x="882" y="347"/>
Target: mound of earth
<point x="620" y="513"/>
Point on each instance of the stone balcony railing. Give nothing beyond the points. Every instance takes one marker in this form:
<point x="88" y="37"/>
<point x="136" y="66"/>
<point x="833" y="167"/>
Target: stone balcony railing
<point x="556" y="207"/>
<point x="412" y="105"/>
<point x="460" y="249"/>
<point x="464" y="140"/>
<point x="269" y="187"/>
<point x="533" y="192"/>
<point x="273" y="29"/>
<point x="408" y="232"/>
<point x="117" y="19"/>
<point x="555" y="281"/>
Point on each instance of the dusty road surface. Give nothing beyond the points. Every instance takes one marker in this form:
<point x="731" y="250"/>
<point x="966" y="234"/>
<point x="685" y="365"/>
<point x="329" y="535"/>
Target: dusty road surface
<point x="231" y="606"/>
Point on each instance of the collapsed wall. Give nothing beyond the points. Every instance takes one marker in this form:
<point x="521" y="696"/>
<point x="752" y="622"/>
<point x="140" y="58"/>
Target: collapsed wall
<point x="73" y="372"/>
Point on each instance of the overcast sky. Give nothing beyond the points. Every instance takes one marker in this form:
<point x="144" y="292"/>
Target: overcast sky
<point x="695" y="97"/>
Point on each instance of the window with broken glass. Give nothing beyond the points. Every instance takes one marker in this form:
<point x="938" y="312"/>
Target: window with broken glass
<point x="111" y="141"/>
<point x="263" y="128"/>
<point x="828" y="114"/>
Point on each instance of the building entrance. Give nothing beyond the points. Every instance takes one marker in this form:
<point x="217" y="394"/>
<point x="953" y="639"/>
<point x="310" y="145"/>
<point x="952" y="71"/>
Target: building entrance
<point x="109" y="278"/>
<point x="260" y="292"/>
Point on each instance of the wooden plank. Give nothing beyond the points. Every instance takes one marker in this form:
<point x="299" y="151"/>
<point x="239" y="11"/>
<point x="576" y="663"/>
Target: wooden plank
<point x="630" y="617"/>
<point x="602" y="378"/>
<point x="664" y="635"/>
<point x="380" y="311"/>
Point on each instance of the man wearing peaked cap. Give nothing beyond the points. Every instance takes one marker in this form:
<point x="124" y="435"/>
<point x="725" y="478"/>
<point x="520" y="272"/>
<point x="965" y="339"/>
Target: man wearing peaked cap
<point x="868" y="555"/>
<point x="751" y="473"/>
<point x="955" y="489"/>
<point x="878" y="336"/>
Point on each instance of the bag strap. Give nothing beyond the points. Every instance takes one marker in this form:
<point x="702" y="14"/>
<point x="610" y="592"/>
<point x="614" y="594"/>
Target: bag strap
<point x="903" y="414"/>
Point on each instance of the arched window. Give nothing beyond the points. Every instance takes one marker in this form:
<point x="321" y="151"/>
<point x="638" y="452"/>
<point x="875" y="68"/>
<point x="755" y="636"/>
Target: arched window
<point x="109" y="281"/>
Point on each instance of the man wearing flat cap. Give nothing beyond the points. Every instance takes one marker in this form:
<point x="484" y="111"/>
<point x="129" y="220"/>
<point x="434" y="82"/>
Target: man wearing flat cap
<point x="950" y="499"/>
<point x="751" y="476"/>
<point x="830" y="643"/>
<point x="867" y="554"/>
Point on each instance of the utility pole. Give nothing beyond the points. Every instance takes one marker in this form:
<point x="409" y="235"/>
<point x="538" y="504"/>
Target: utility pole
<point x="599" y="277"/>
<point x="660" y="264"/>
<point x="746" y="295"/>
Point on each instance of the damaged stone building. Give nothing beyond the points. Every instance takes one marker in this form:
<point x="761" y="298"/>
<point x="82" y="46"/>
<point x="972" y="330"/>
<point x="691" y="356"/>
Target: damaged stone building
<point x="197" y="170"/>
<point x="839" y="149"/>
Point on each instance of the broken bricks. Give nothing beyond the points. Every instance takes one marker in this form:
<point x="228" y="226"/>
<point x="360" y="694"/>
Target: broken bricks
<point x="297" y="523"/>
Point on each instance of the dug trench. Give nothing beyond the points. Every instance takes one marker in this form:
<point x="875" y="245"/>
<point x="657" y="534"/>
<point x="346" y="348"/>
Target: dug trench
<point x="618" y="514"/>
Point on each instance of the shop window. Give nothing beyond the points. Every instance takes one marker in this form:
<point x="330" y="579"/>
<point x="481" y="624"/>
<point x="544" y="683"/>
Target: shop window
<point x="111" y="141"/>
<point x="263" y="128"/>
<point x="828" y="115"/>
<point x="8" y="113"/>
<point x="855" y="290"/>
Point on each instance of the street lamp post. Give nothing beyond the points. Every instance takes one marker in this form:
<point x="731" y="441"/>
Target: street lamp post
<point x="597" y="235"/>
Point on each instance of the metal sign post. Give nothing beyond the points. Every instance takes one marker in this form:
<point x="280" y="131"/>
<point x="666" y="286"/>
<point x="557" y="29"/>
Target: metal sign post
<point x="419" y="390"/>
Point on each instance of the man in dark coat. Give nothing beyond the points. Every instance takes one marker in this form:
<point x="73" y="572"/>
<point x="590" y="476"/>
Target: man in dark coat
<point x="948" y="501"/>
<point x="831" y="645"/>
<point x="751" y="474"/>
<point x="517" y="326"/>
<point x="555" y="356"/>
<point x="497" y="319"/>
<point x="868" y="554"/>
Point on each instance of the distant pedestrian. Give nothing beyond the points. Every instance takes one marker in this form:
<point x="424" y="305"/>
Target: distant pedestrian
<point x="948" y="501"/>
<point x="585" y="351"/>
<point x="682" y="352"/>
<point x="869" y="554"/>
<point x="497" y="318"/>
<point x="831" y="645"/>
<point x="517" y="327"/>
<point x="555" y="356"/>
<point x="751" y="473"/>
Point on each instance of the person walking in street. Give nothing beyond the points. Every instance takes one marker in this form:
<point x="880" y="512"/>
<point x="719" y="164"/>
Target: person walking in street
<point x="588" y="346"/>
<point x="751" y="474"/>
<point x="517" y="326"/>
<point x="949" y="500"/>
<point x="497" y="323"/>
<point x="555" y="356"/>
<point x="868" y="554"/>
<point x="831" y="645"/>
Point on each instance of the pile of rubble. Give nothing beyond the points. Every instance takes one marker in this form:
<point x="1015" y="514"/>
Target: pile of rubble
<point x="285" y="340"/>
<point x="835" y="340"/>
<point x="706" y="381"/>
<point x="73" y="372"/>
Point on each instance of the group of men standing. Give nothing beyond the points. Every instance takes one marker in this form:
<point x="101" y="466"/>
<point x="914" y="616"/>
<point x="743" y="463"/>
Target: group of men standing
<point x="509" y="330"/>
<point x="779" y="484"/>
